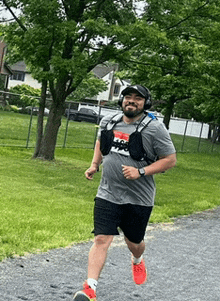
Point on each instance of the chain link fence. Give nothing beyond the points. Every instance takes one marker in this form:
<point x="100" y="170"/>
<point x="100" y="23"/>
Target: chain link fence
<point x="18" y="127"/>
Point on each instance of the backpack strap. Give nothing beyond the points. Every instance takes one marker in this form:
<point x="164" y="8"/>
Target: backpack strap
<point x="113" y="121"/>
<point x="118" y="118"/>
<point x="146" y="120"/>
<point x="140" y="127"/>
<point x="135" y="138"/>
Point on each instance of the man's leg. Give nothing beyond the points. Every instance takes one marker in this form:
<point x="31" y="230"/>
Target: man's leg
<point x="136" y="249"/>
<point x="98" y="254"/>
<point x="97" y="257"/>
<point x="138" y="265"/>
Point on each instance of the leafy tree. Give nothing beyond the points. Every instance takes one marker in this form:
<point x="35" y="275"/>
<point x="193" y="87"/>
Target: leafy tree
<point x="62" y="41"/>
<point x="205" y="104"/>
<point x="210" y="104"/>
<point x="23" y="96"/>
<point x="173" y="65"/>
<point x="89" y="88"/>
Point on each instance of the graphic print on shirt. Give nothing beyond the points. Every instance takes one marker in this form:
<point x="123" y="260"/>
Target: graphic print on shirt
<point x="120" y="143"/>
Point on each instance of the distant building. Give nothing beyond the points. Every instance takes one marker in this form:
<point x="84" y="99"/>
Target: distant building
<point x="5" y="70"/>
<point x="5" y="73"/>
<point x="21" y="75"/>
<point x="115" y="85"/>
<point x="18" y="74"/>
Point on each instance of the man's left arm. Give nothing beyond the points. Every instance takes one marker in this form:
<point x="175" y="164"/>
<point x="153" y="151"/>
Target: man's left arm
<point x="161" y="165"/>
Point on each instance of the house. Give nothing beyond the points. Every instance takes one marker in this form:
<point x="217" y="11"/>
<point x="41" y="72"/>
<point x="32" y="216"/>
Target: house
<point x="5" y="73"/>
<point x="114" y="84"/>
<point x="5" y="69"/>
<point x="18" y="74"/>
<point x="21" y="75"/>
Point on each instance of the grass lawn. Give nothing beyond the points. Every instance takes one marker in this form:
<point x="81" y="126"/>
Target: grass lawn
<point x="44" y="204"/>
<point x="47" y="205"/>
<point x="14" y="131"/>
<point x="192" y="186"/>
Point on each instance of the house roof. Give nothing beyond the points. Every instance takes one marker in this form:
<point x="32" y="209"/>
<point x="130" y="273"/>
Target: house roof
<point x="6" y="69"/>
<point x="19" y="66"/>
<point x="102" y="70"/>
<point x="99" y="71"/>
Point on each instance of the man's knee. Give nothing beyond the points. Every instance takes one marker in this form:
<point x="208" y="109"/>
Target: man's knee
<point x="103" y="240"/>
<point x="135" y="246"/>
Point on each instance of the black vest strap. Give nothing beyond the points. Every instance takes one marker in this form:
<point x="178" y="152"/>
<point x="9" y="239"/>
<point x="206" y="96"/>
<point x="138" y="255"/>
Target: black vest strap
<point x="135" y="143"/>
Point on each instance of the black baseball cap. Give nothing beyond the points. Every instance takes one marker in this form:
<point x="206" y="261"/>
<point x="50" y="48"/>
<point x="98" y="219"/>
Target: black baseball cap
<point x="137" y="88"/>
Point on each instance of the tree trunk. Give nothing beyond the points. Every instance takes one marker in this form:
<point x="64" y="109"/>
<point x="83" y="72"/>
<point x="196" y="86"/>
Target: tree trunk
<point x="40" y="121"/>
<point x="210" y="131"/>
<point x="218" y="138"/>
<point x="168" y="112"/>
<point x="48" y="143"/>
<point x="216" y="134"/>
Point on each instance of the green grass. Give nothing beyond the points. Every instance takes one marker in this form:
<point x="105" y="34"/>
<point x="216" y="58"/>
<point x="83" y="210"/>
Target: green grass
<point x="194" y="145"/>
<point x="44" y="205"/>
<point x="192" y="186"/>
<point x="14" y="128"/>
<point x="47" y="205"/>
<point x="14" y="131"/>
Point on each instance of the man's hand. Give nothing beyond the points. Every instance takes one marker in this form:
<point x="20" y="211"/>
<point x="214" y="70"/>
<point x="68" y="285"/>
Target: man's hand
<point x="90" y="172"/>
<point x="130" y="172"/>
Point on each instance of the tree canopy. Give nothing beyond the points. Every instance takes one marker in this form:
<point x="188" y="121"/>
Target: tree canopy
<point x="172" y="48"/>
<point x="61" y="42"/>
<point x="181" y="64"/>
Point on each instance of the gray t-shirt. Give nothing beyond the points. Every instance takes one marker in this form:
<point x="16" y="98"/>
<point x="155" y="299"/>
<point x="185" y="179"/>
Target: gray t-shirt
<point x="113" y="186"/>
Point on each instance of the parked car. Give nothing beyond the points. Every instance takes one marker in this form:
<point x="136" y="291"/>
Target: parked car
<point x="35" y="110"/>
<point x="83" y="114"/>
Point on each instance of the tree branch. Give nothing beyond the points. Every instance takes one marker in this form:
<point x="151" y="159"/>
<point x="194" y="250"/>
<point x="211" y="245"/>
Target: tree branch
<point x="149" y="64"/>
<point x="188" y="17"/>
<point x="84" y="43"/>
<point x="14" y="16"/>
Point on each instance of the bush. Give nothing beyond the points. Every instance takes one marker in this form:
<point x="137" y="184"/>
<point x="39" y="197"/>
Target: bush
<point x="14" y="108"/>
<point x="9" y="108"/>
<point x="24" y="96"/>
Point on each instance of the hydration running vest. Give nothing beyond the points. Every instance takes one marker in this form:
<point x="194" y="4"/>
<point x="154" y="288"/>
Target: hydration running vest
<point x="135" y="143"/>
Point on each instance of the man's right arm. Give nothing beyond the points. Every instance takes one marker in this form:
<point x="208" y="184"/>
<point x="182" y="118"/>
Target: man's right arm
<point x="96" y="161"/>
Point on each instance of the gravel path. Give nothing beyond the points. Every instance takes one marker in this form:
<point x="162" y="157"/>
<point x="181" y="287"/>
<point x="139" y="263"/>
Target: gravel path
<point x="183" y="261"/>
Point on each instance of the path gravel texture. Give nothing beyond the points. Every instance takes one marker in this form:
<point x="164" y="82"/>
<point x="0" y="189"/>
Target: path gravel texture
<point x="183" y="262"/>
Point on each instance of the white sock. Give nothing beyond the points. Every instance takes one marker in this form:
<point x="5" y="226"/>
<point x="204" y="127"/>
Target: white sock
<point x="92" y="283"/>
<point x="137" y="260"/>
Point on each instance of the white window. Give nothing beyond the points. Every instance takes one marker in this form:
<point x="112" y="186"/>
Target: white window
<point x="18" y="75"/>
<point x="116" y="90"/>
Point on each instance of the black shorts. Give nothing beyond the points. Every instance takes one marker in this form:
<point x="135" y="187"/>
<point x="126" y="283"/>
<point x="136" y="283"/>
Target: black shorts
<point x="131" y="219"/>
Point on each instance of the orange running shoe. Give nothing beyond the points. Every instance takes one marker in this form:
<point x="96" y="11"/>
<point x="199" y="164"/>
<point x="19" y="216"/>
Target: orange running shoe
<point x="139" y="272"/>
<point x="87" y="294"/>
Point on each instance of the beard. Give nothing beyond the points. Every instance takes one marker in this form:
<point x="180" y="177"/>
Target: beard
<point x="132" y="113"/>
